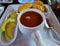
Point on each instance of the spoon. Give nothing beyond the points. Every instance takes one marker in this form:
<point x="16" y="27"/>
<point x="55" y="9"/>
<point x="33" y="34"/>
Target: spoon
<point x="52" y="32"/>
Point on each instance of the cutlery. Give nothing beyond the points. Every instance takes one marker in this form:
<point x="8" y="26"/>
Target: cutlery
<point x="52" y="32"/>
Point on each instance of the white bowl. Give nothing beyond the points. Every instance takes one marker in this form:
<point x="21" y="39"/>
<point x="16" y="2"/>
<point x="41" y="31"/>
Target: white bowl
<point x="24" y="1"/>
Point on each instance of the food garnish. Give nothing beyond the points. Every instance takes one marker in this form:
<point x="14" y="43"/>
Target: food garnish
<point x="24" y="6"/>
<point x="10" y="30"/>
<point x="40" y="6"/>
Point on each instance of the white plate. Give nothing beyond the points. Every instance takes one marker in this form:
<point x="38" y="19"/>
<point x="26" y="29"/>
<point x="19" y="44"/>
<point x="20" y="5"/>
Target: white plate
<point x="15" y="32"/>
<point x="20" y="40"/>
<point x="6" y="1"/>
<point x="1" y="10"/>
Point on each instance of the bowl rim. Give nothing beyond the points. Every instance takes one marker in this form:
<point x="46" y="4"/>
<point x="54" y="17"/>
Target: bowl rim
<point x="32" y="9"/>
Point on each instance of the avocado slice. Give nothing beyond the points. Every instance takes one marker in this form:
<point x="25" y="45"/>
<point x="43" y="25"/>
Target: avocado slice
<point x="9" y="24"/>
<point x="10" y="30"/>
<point x="12" y="18"/>
<point x="5" y="23"/>
<point x="13" y="15"/>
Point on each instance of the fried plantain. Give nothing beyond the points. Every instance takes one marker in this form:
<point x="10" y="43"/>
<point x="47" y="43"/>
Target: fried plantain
<point x="24" y="6"/>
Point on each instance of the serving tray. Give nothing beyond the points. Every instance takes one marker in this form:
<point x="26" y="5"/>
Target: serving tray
<point x="26" y="40"/>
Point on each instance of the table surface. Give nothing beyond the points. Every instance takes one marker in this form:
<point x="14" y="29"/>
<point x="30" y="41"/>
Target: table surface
<point x="16" y="2"/>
